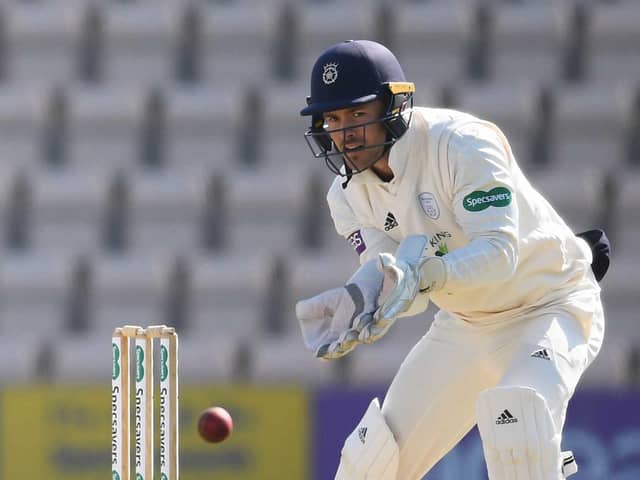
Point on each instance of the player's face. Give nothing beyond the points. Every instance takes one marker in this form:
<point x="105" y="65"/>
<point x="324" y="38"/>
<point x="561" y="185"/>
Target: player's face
<point x="355" y="131"/>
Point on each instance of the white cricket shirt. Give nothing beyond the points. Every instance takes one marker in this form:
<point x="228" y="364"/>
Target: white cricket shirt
<point x="456" y="180"/>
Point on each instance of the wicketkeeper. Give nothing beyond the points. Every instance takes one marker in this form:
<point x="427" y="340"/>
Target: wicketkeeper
<point x="437" y="208"/>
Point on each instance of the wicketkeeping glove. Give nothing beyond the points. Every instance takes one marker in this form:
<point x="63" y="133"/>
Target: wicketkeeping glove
<point x="410" y="273"/>
<point x="332" y="321"/>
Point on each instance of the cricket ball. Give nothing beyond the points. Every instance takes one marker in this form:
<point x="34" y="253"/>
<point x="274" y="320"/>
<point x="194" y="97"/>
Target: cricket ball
<point x="215" y="424"/>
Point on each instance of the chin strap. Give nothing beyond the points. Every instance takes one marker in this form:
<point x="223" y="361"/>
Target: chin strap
<point x="349" y="174"/>
<point x="349" y="171"/>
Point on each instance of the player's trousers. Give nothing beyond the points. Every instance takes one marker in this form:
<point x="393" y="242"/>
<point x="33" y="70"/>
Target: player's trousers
<point x="431" y="403"/>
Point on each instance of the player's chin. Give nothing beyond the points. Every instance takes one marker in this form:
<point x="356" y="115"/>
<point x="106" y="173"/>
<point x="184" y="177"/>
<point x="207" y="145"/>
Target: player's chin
<point x="361" y="160"/>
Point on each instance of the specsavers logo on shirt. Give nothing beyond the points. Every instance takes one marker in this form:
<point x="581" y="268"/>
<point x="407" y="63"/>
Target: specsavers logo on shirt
<point x="479" y="200"/>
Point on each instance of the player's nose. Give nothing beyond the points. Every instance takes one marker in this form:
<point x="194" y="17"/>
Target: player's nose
<point x="351" y="139"/>
<point x="352" y="133"/>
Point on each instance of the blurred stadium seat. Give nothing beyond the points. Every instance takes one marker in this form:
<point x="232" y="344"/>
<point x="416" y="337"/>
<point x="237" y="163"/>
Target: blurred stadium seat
<point x="66" y="211"/>
<point x="615" y="40"/>
<point x="528" y="42"/>
<point x="201" y="123"/>
<point x="127" y="289"/>
<point x="19" y="358"/>
<point x="41" y="41"/>
<point x="207" y="357"/>
<point x="228" y="294"/>
<point x="431" y="40"/>
<point x="312" y="273"/>
<point x="284" y="148"/>
<point x="321" y="27"/>
<point x="628" y="215"/>
<point x="369" y="365"/>
<point x="577" y="201"/>
<point x="34" y="292"/>
<point x="166" y="210"/>
<point x="283" y="358"/>
<point x="236" y="43"/>
<point x="588" y="125"/>
<point x="510" y="105"/>
<point x="79" y="358"/>
<point x="104" y="125"/>
<point x="140" y="40"/>
<point x="264" y="210"/>
<point x="21" y="123"/>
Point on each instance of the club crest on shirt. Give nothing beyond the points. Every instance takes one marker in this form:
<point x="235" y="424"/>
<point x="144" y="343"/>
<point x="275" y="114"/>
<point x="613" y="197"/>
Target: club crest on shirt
<point x="429" y="205"/>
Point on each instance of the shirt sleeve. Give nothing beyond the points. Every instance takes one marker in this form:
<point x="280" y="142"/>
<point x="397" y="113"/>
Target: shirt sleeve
<point x="365" y="239"/>
<point x="485" y="207"/>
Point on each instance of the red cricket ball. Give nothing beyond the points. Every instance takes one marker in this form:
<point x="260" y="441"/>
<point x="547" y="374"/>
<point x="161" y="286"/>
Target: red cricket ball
<point x="215" y="424"/>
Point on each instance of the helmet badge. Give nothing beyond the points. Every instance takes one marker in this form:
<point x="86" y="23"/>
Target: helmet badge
<point x="330" y="73"/>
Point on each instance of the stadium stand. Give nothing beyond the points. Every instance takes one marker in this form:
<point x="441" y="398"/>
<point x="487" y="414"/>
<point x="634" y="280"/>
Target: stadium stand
<point x="279" y="359"/>
<point x="153" y="167"/>
<point x="527" y="42"/>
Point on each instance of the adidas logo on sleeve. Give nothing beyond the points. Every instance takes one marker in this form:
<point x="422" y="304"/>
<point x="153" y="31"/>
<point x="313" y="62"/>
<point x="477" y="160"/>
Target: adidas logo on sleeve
<point x="362" y="433"/>
<point x="542" y="353"/>
<point x="506" y="417"/>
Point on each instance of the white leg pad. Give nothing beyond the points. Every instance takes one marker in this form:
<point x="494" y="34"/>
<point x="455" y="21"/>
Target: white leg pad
<point x="370" y="452"/>
<point x="519" y="437"/>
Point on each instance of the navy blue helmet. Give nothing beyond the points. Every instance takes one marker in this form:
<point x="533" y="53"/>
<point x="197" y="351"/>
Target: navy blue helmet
<point x="352" y="73"/>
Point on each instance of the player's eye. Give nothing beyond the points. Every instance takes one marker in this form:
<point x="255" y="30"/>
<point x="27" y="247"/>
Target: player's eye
<point x="329" y="120"/>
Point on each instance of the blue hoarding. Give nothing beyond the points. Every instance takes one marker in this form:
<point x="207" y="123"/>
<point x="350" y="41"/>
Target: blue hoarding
<point x="602" y="428"/>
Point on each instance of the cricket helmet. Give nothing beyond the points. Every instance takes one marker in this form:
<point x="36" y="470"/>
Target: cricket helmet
<point x="352" y="73"/>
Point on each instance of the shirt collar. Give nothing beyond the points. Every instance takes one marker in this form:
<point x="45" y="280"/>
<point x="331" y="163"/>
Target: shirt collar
<point x="399" y="153"/>
<point x="366" y="177"/>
